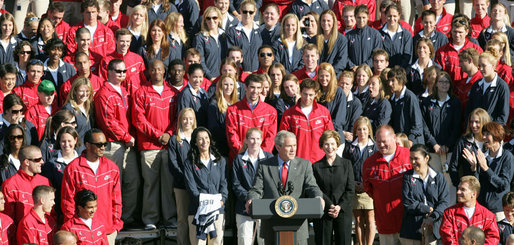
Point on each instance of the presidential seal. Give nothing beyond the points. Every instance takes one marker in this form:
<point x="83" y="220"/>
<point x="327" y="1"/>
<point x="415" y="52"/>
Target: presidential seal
<point x="286" y="206"/>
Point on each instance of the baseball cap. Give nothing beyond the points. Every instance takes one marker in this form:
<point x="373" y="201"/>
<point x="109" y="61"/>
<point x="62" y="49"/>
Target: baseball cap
<point x="46" y="86"/>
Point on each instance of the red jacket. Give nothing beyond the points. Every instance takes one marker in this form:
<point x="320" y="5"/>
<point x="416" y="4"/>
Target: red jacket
<point x="120" y="22"/>
<point x="86" y="236"/>
<point x="444" y="25"/>
<point x="93" y="57"/>
<point x="101" y="43"/>
<point x="18" y="193"/>
<point x="154" y="115"/>
<point x="37" y="115"/>
<point x="62" y="29"/>
<point x="133" y="63"/>
<point x="240" y="118"/>
<point x="339" y="5"/>
<point x="2" y="96"/>
<point x="454" y="222"/>
<point x="478" y="24"/>
<point x="307" y="130"/>
<point x="7" y="231"/>
<point x="28" y="93"/>
<point x="64" y="91"/>
<point x="105" y="184"/>
<point x="383" y="182"/>
<point x="112" y="113"/>
<point x="461" y="88"/>
<point x="302" y="74"/>
<point x="177" y="91"/>
<point x="33" y="230"/>
<point x="448" y="58"/>
<point x="505" y="72"/>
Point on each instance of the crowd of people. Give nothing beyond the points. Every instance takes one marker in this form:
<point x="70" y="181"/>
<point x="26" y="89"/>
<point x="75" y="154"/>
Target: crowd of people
<point x="396" y="115"/>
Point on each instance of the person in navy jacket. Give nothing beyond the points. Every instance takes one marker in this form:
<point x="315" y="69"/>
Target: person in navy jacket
<point x="246" y="35"/>
<point x="211" y="43"/>
<point x="362" y="40"/>
<point x="332" y="44"/>
<point x="270" y="30"/>
<point x="193" y="95"/>
<point x="416" y="72"/>
<point x="159" y="9"/>
<point x="288" y="48"/>
<point x="397" y="40"/>
<point x="353" y="104"/>
<point x="430" y="32"/>
<point x="177" y="35"/>
<point x="379" y="108"/>
<point x="190" y="11"/>
<point x="406" y="116"/>
<point x="499" y="14"/>
<point x="158" y="46"/>
<point x="300" y="8"/>
<point x="55" y="69"/>
<point x="289" y="94"/>
<point x="424" y="196"/>
<point x="8" y="36"/>
<point x="244" y="169"/>
<point x="332" y="96"/>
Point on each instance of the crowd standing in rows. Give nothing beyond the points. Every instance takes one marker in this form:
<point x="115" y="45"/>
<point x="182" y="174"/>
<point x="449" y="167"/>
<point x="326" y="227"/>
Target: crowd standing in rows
<point x="178" y="114"/>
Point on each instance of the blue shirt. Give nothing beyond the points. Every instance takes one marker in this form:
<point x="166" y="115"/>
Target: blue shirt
<point x="281" y="165"/>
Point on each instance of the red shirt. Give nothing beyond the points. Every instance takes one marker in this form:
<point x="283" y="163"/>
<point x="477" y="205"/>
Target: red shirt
<point x="505" y="72"/>
<point x="302" y="74"/>
<point x="382" y="180"/>
<point x="37" y="115"/>
<point x="455" y="220"/>
<point x="7" y="230"/>
<point x="64" y="91"/>
<point x="340" y="4"/>
<point x="448" y="58"/>
<point x="154" y="114"/>
<point x="101" y="43"/>
<point x="478" y="24"/>
<point x="112" y="113"/>
<point x="462" y="87"/>
<point x="32" y="229"/>
<point x="444" y="25"/>
<point x="308" y="130"/>
<point x="2" y="96"/>
<point x="86" y="236"/>
<point x="133" y="63"/>
<point x="93" y="57"/>
<point x="62" y="29"/>
<point x="28" y="93"/>
<point x="18" y="193"/>
<point x="120" y="22"/>
<point x="105" y="184"/>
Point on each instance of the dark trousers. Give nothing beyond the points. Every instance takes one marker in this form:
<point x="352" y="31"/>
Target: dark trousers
<point x="328" y="229"/>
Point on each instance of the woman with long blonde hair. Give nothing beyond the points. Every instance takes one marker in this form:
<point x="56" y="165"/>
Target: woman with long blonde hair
<point x="138" y="26"/>
<point x="176" y="34"/>
<point x="331" y="96"/>
<point x="288" y="49"/>
<point x="499" y="23"/>
<point x="499" y="46"/>
<point x="331" y="43"/>
<point x="79" y="102"/>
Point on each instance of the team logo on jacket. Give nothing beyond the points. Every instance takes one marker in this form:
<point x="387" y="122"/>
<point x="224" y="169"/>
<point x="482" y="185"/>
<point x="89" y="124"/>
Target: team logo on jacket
<point x="238" y="33"/>
<point x="502" y="227"/>
<point x="99" y="233"/>
<point x="261" y="120"/>
<point x="318" y="122"/>
<point x="107" y="177"/>
<point x="101" y="40"/>
<point x="413" y="180"/>
<point x="445" y="28"/>
<point x="133" y="69"/>
<point x="301" y="8"/>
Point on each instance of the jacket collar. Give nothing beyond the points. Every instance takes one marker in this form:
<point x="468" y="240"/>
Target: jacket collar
<point x="431" y="173"/>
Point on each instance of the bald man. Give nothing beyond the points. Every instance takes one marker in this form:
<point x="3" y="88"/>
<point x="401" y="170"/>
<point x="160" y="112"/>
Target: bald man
<point x="472" y="236"/>
<point x="65" y="238"/>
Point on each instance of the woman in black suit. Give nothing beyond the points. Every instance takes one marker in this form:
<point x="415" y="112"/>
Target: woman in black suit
<point x="334" y="176"/>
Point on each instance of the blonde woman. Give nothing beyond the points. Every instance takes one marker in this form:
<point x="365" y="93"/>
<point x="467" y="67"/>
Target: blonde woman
<point x="225" y="96"/>
<point x="499" y="46"/>
<point x="158" y="9"/>
<point x="362" y="75"/>
<point x="499" y="23"/>
<point x="331" y="96"/>
<point x="176" y="34"/>
<point x="331" y="43"/>
<point x="379" y="109"/>
<point x="288" y="49"/>
<point x="211" y="42"/>
<point x="79" y="102"/>
<point x="138" y="26"/>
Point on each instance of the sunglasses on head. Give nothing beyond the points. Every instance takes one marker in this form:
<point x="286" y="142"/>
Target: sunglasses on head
<point x="262" y="55"/>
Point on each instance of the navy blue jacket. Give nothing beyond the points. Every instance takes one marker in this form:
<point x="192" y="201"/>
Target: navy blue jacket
<point x="53" y="170"/>
<point x="338" y="57"/>
<point x="353" y="111"/>
<point x="414" y="197"/>
<point x="282" y="105"/>
<point x="243" y="173"/>
<point x="83" y="121"/>
<point x="300" y="8"/>
<point x="406" y="117"/>
<point x="136" y="43"/>
<point x="7" y="56"/>
<point x="505" y="230"/>
<point x="212" y="52"/>
<point x="7" y="171"/>
<point x="201" y="179"/>
<point x="282" y="56"/>
<point x="495" y="182"/>
<point x="378" y="112"/>
<point x="64" y="72"/>
<point x="353" y="153"/>
<point x="268" y="37"/>
<point x="364" y="97"/>
<point x="399" y="48"/>
<point x="414" y="80"/>
<point x="237" y="37"/>
<point x="441" y="124"/>
<point x="337" y="109"/>
<point x="485" y="36"/>
<point x="177" y="49"/>
<point x="495" y="100"/>
<point x="152" y="15"/>
<point x="148" y="60"/>
<point x="177" y="155"/>
<point x="190" y="11"/>
<point x="458" y="166"/>
<point x="31" y="136"/>
<point x="39" y="48"/>
<point x="438" y="40"/>
<point x="198" y="102"/>
<point x="361" y="43"/>
<point x="509" y="146"/>
<point x="216" y="124"/>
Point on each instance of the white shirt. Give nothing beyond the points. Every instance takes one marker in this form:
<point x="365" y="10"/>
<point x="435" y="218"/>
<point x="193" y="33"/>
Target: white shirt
<point x="156" y="7"/>
<point x="92" y="30"/>
<point x="388" y="158"/>
<point x="307" y="110"/>
<point x="94" y="165"/>
<point x="416" y="66"/>
<point x="469" y="212"/>
<point x="290" y="48"/>
<point x="402" y="94"/>
<point x="117" y="88"/>
<point x="88" y="222"/>
<point x="390" y="33"/>
<point x="458" y="47"/>
<point x="15" y="162"/>
<point x="486" y="85"/>
<point x="159" y="89"/>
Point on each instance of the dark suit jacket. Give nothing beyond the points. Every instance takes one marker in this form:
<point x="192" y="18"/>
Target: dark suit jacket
<point x="336" y="182"/>
<point x="266" y="182"/>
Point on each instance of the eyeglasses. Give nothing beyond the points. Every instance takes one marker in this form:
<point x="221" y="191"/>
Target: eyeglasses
<point x="39" y="159"/>
<point x="211" y="18"/>
<point x="247" y="12"/>
<point x="262" y="55"/>
<point x="120" y="71"/>
<point x="13" y="137"/>
<point x="25" y="52"/>
<point x="99" y="144"/>
<point x="16" y="111"/>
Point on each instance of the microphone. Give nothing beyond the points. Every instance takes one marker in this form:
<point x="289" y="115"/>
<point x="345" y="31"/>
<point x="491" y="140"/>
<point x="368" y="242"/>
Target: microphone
<point x="280" y="188"/>
<point x="290" y="187"/>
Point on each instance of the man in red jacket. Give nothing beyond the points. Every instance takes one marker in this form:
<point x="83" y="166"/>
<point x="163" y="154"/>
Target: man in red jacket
<point x="467" y="212"/>
<point x="7" y="229"/>
<point x="468" y="62"/>
<point x="444" y="19"/>
<point x="83" y="66"/>
<point x="28" y="90"/>
<point x="112" y="109"/>
<point x="310" y="59"/>
<point x="382" y="175"/>
<point x="307" y="120"/>
<point x="251" y="112"/>
<point x="56" y="12"/>
<point x="38" y="226"/>
<point x="154" y="113"/>
<point x="94" y="171"/>
<point x="18" y="188"/>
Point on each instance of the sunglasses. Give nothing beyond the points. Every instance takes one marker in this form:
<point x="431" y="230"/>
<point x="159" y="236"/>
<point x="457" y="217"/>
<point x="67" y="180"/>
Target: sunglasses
<point x="16" y="111"/>
<point x="120" y="71"/>
<point x="39" y="159"/>
<point x="25" y="52"/>
<point x="248" y="12"/>
<point x="100" y="144"/>
<point x="13" y="137"/>
<point x="262" y="55"/>
<point x="211" y="18"/>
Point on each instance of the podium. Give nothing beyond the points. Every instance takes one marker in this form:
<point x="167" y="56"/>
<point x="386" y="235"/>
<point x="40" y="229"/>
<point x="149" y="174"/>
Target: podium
<point x="285" y="228"/>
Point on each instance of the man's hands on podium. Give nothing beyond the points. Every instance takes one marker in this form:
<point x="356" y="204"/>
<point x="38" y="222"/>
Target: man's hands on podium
<point x="322" y="202"/>
<point x="249" y="203"/>
<point x="247" y="206"/>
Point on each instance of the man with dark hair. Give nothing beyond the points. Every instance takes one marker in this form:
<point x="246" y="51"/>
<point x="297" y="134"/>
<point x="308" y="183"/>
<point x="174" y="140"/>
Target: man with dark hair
<point x="307" y="120"/>
<point x="266" y="59"/>
<point x="28" y="90"/>
<point x="176" y="72"/>
<point x="380" y="59"/>
<point x="94" y="171"/>
<point x="38" y="226"/>
<point x="236" y="54"/>
<point x="18" y="202"/>
<point x="56" y="12"/>
<point x="506" y="225"/>
<point x="468" y="62"/>
<point x="63" y="237"/>
<point x="8" y="74"/>
<point x="83" y="66"/>
<point x="194" y="96"/>
<point x="362" y="40"/>
<point x="85" y="224"/>
<point x="102" y="38"/>
<point x="250" y="112"/>
<point x="310" y="57"/>
<point x="193" y="56"/>
<point x="444" y="19"/>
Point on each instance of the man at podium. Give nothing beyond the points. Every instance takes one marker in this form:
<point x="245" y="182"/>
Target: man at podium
<point x="287" y="171"/>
